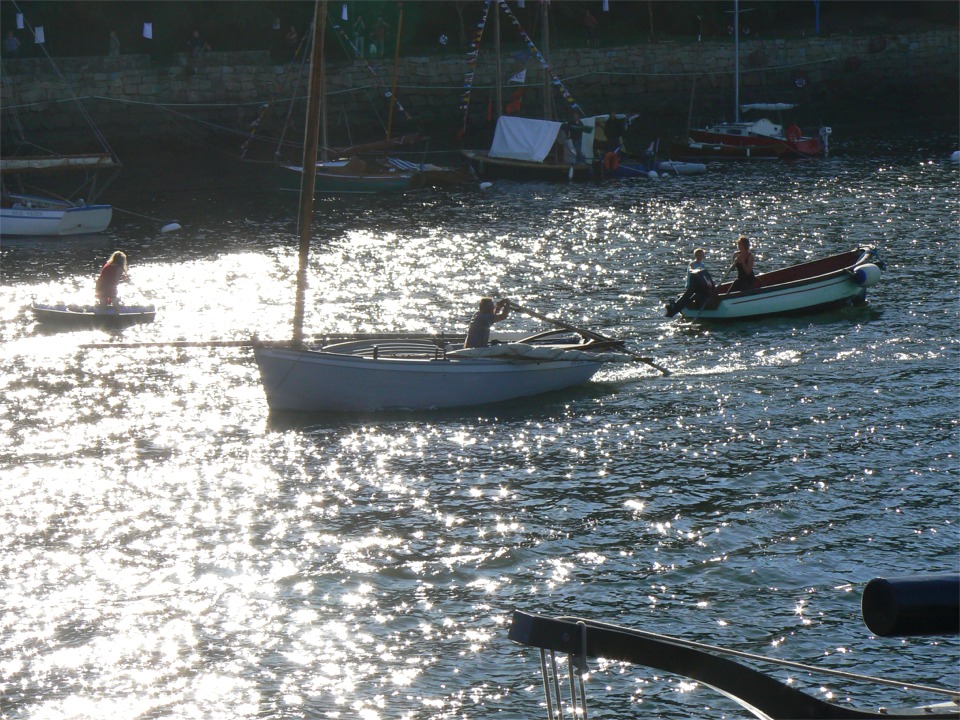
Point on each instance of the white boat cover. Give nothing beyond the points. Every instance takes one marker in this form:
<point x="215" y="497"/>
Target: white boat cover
<point x="524" y="351"/>
<point x="524" y="138"/>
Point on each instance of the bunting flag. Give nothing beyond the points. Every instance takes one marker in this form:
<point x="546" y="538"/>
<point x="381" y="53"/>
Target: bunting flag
<point x="473" y="54"/>
<point x="543" y="62"/>
<point x="520" y="77"/>
<point x="380" y="82"/>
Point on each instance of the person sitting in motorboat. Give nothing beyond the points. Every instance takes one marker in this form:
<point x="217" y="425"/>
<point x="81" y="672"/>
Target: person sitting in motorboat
<point x="478" y="334"/>
<point x="699" y="284"/>
<point x="743" y="263"/>
<point x="113" y="272"/>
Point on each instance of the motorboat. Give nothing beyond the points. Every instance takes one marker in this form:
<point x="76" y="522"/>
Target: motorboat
<point x="812" y="286"/>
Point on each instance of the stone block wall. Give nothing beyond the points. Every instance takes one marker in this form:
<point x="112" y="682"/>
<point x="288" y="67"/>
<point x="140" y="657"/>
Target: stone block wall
<point x="855" y="78"/>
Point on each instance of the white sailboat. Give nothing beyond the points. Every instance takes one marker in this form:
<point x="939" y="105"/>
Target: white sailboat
<point x="405" y="371"/>
<point x="29" y="206"/>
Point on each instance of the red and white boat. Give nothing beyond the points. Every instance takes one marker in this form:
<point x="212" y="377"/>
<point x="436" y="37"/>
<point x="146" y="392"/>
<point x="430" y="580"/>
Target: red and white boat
<point x="756" y="140"/>
<point x="759" y="138"/>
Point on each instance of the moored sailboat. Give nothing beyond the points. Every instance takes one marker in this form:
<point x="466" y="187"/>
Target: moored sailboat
<point x="760" y="139"/>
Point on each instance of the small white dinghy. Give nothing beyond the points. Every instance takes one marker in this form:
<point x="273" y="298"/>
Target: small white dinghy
<point x="111" y="317"/>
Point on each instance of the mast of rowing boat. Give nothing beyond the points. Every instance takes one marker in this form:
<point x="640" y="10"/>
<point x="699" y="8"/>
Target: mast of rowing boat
<point x="309" y="174"/>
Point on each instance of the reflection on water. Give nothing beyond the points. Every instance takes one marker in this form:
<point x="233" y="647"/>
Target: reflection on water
<point x="172" y="550"/>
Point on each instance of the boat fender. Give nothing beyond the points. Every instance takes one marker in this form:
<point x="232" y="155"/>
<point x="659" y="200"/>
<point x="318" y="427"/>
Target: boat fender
<point x="611" y="161"/>
<point x="866" y="274"/>
<point x="912" y="605"/>
<point x="653" y="175"/>
<point x="793" y="133"/>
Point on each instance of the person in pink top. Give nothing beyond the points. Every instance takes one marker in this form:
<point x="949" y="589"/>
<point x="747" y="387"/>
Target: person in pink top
<point x="113" y="272"/>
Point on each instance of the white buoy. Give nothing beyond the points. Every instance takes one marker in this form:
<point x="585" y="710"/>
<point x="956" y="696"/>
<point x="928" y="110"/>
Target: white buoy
<point x="653" y="175"/>
<point x="955" y="158"/>
<point x="170" y="227"/>
<point x="486" y="185"/>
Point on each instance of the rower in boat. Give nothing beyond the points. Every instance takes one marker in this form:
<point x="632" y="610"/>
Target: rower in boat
<point x="478" y="334"/>
<point x="114" y="271"/>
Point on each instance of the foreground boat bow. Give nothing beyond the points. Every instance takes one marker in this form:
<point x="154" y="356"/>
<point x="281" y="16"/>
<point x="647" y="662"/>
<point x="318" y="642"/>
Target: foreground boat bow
<point x="762" y="695"/>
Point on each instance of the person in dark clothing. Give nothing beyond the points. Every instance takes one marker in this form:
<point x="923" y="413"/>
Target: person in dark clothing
<point x="699" y="285"/>
<point x="743" y="262"/>
<point x="478" y="334"/>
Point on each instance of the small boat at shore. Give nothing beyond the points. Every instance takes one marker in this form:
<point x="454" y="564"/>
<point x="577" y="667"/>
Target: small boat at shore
<point x="813" y="286"/>
<point x="894" y="607"/>
<point x="35" y="216"/>
<point x="109" y="317"/>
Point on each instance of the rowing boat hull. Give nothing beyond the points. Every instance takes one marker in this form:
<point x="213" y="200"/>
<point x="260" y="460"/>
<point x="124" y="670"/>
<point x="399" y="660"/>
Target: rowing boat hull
<point x="341" y="178"/>
<point x="810" y="287"/>
<point x="317" y="381"/>
<point x="93" y="316"/>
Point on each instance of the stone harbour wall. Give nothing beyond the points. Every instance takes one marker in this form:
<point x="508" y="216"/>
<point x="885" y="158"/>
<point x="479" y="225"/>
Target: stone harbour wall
<point x="834" y="80"/>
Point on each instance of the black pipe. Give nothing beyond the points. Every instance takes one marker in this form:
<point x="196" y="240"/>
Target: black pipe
<point x="912" y="605"/>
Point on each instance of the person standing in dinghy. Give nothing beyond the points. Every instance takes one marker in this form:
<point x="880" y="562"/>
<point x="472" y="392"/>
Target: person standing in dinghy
<point x="478" y="334"/>
<point x="114" y="271"/>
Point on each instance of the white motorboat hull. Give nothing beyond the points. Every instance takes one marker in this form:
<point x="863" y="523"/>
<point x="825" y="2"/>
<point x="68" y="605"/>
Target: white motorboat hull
<point x="810" y="287"/>
<point x="317" y="381"/>
<point x="54" y="220"/>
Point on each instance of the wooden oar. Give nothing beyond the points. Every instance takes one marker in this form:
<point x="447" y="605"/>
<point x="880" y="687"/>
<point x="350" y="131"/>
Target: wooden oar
<point x="587" y="334"/>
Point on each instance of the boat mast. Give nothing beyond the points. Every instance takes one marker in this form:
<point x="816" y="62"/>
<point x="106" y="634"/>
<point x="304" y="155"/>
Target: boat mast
<point x="545" y="6"/>
<point x="396" y="66"/>
<point x="317" y="88"/>
<point x="736" y="61"/>
<point x="496" y="44"/>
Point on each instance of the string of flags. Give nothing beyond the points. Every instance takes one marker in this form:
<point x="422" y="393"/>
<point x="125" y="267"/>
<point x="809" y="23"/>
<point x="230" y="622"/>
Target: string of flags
<point x="380" y="82"/>
<point x="472" y="56"/>
<point x="542" y="60"/>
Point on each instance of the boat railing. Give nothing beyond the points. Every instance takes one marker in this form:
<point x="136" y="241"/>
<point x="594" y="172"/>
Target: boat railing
<point x="392" y="348"/>
<point x="922" y="605"/>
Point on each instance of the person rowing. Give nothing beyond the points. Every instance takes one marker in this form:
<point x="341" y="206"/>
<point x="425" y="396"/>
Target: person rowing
<point x="699" y="285"/>
<point x="113" y="272"/>
<point x="478" y="334"/>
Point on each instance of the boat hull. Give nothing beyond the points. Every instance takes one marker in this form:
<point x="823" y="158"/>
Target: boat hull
<point x="628" y="169"/>
<point x="810" y="287"/>
<point x="800" y="147"/>
<point x="41" y="218"/>
<point x="338" y="179"/>
<point x="720" y="151"/>
<point x="317" y="381"/>
<point x="494" y="168"/>
<point x="93" y="316"/>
